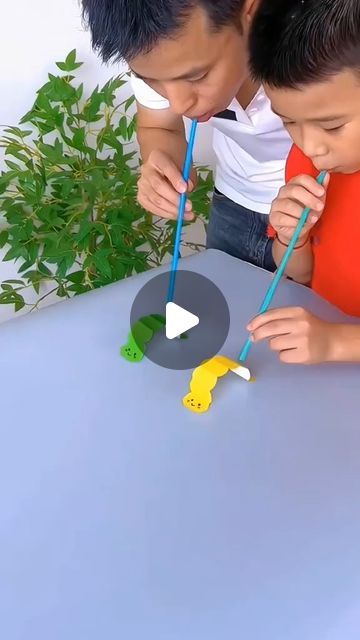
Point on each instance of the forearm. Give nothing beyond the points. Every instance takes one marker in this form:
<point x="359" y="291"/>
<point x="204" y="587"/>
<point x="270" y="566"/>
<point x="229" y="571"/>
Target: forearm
<point x="301" y="263"/>
<point x="171" y="142"/>
<point x="345" y="345"/>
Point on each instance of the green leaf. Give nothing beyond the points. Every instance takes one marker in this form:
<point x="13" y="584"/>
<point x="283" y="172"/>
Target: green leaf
<point x="26" y="265"/>
<point x="33" y="276"/>
<point x="118" y="82"/>
<point x="7" y="297"/>
<point x="54" y="153"/>
<point x="129" y="156"/>
<point x="10" y="296"/>
<point x="15" y="151"/>
<point x="108" y="92"/>
<point x="80" y="91"/>
<point x="43" y="103"/>
<point x="119" y="268"/>
<point x="62" y="269"/>
<point x="27" y="117"/>
<point x="108" y="137"/>
<point x="62" y="66"/>
<point x="19" y="303"/>
<point x="100" y="258"/>
<point x="86" y="228"/>
<point x="70" y="63"/>
<point x="91" y="109"/>
<point x="77" y="277"/>
<point x="59" y="90"/>
<point x="67" y="187"/>
<point x="132" y="128"/>
<point x="12" y="165"/>
<point x="32" y="251"/>
<point x="4" y="235"/>
<point x="61" y="291"/>
<point x="16" y="131"/>
<point x="78" y="140"/>
<point x="129" y="102"/>
<point x="71" y="58"/>
<point x="12" y="254"/>
<point x="78" y="288"/>
<point x="18" y="282"/>
<point x="45" y="128"/>
<point x="42" y="268"/>
<point x="123" y="127"/>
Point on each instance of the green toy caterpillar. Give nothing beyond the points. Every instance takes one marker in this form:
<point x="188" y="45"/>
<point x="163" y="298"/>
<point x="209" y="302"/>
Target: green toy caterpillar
<point x="140" y="335"/>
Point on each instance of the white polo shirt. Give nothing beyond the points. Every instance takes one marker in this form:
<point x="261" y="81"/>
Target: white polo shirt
<point x="251" y="147"/>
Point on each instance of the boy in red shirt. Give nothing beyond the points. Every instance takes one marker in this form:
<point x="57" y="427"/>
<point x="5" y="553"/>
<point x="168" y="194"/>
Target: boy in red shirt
<point x="307" y="54"/>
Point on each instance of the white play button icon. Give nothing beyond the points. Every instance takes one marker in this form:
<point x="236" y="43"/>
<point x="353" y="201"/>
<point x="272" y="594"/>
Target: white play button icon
<point x="178" y="320"/>
<point x="201" y="315"/>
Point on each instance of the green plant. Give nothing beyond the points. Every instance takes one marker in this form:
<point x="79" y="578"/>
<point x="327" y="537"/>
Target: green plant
<point x="68" y="194"/>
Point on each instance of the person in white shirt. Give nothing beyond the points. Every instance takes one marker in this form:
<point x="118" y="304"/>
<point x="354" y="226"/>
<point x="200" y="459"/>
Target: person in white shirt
<point x="189" y="58"/>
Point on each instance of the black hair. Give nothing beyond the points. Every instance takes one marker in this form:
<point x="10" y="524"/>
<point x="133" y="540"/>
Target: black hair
<point x="298" y="42"/>
<point x="123" y="29"/>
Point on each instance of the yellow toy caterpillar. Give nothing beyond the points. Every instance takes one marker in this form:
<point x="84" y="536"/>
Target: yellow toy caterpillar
<point x="205" y="378"/>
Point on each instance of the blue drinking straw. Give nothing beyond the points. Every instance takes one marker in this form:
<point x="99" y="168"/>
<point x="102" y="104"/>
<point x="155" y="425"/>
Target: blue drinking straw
<point x="180" y="220"/>
<point x="280" y="271"/>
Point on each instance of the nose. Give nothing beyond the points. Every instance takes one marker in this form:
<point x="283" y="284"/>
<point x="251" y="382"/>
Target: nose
<point x="181" y="96"/>
<point x="312" y="143"/>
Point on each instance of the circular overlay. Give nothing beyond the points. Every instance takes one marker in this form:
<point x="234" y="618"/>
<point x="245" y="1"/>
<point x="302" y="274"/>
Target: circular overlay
<point x="197" y="295"/>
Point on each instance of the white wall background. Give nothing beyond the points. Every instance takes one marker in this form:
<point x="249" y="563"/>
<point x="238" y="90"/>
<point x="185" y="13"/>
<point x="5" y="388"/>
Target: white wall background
<point x="33" y="36"/>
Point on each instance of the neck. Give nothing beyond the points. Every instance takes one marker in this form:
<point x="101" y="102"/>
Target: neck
<point x="247" y="92"/>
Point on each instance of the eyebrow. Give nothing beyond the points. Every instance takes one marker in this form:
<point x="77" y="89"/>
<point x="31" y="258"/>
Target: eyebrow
<point x="325" y="119"/>
<point x="185" y="76"/>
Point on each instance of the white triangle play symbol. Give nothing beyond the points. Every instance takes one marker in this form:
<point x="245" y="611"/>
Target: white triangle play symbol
<point x="178" y="320"/>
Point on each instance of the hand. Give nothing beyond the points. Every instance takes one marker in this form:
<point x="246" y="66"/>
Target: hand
<point x="161" y="183"/>
<point x="296" y="335"/>
<point x="303" y="191"/>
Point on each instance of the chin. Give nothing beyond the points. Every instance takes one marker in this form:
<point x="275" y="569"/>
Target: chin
<point x="345" y="170"/>
<point x="349" y="171"/>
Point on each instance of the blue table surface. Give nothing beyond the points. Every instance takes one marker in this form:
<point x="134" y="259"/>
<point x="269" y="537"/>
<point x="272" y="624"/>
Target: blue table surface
<point x="124" y="516"/>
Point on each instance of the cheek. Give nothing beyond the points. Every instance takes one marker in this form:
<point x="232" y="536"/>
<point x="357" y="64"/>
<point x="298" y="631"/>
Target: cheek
<point x="295" y="134"/>
<point x="348" y="145"/>
<point x="354" y="142"/>
<point x="215" y="89"/>
<point x="230" y="75"/>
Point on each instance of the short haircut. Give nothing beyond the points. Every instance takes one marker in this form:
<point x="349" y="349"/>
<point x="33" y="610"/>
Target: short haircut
<point x="298" y="42"/>
<point x="124" y="29"/>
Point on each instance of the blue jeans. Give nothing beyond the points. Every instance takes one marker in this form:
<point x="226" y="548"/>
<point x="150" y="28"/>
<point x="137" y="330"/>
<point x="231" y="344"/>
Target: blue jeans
<point x="240" y="232"/>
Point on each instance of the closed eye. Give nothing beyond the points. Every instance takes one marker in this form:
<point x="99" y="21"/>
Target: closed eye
<point x="335" y="129"/>
<point x="205" y="75"/>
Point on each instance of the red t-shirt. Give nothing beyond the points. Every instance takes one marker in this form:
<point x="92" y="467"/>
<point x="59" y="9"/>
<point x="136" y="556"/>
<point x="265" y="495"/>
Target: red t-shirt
<point x="336" y="237"/>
